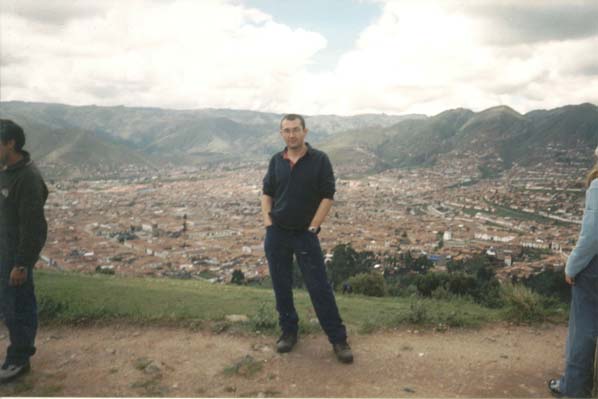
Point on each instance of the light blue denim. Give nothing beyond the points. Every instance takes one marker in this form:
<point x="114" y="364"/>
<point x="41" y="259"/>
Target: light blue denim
<point x="581" y="338"/>
<point x="582" y="265"/>
<point x="587" y="243"/>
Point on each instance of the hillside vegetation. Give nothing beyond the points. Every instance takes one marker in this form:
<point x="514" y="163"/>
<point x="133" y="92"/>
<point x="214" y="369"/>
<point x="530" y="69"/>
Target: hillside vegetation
<point x="78" y="298"/>
<point x="83" y="139"/>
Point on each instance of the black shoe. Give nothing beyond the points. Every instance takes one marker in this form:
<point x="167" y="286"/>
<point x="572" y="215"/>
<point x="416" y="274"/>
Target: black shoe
<point x="343" y="352"/>
<point x="9" y="372"/>
<point x="286" y="342"/>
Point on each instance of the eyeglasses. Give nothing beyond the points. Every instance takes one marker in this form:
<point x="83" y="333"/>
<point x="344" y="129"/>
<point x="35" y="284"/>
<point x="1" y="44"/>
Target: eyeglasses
<point x="295" y="130"/>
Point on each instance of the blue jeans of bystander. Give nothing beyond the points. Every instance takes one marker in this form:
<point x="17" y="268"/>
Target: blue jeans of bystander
<point x="583" y="330"/>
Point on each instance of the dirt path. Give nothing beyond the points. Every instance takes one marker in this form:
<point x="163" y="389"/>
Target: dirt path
<point x="498" y="361"/>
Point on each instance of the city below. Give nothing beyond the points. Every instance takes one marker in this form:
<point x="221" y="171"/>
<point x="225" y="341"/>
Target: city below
<point x="205" y="222"/>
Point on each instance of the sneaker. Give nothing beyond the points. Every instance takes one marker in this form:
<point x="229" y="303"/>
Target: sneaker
<point x="343" y="352"/>
<point x="554" y="386"/>
<point x="286" y="342"/>
<point x="9" y="372"/>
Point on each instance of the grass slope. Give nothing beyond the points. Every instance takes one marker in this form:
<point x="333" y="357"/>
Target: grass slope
<point x="73" y="297"/>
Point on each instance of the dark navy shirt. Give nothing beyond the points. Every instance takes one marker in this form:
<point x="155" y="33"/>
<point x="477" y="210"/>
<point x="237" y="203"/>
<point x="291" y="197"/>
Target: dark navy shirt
<point x="298" y="191"/>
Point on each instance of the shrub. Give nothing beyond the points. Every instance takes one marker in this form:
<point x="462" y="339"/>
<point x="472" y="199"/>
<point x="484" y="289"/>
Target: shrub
<point x="51" y="309"/>
<point x="347" y="262"/>
<point x="394" y="289"/>
<point x="457" y="319"/>
<point x="369" y="326"/>
<point x="418" y="312"/>
<point x="483" y="287"/>
<point x="238" y="277"/>
<point x="370" y="284"/>
<point x="264" y="318"/>
<point x="442" y="294"/>
<point x="410" y="291"/>
<point x="489" y="294"/>
<point x="522" y="305"/>
<point x="462" y="284"/>
<point x="419" y="265"/>
<point x="310" y="326"/>
<point x="402" y="290"/>
<point x="550" y="283"/>
<point x="428" y="283"/>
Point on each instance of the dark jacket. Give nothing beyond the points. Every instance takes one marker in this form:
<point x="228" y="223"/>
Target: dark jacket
<point x="297" y="193"/>
<point x="23" y="227"/>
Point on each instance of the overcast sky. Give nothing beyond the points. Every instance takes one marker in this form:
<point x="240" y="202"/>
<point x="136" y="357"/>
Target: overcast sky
<point x="312" y="57"/>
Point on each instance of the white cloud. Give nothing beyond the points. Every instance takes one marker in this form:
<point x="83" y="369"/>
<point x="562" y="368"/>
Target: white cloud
<point x="52" y="12"/>
<point x="428" y="56"/>
<point x="175" y="54"/>
<point x="419" y="56"/>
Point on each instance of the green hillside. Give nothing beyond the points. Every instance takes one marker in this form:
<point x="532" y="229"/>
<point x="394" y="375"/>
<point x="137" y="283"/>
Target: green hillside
<point x="72" y="297"/>
<point x="92" y="139"/>
<point x="499" y="131"/>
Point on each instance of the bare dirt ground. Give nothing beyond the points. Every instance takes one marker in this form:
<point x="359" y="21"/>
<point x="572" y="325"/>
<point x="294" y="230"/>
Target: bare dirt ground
<point x="125" y="360"/>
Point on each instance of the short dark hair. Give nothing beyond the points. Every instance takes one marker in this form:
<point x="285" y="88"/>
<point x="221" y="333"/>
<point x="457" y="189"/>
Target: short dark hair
<point x="11" y="131"/>
<point x="292" y="117"/>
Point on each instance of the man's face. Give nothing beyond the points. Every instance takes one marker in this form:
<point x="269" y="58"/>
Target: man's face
<point x="293" y="133"/>
<point x="5" y="150"/>
<point x="3" y="154"/>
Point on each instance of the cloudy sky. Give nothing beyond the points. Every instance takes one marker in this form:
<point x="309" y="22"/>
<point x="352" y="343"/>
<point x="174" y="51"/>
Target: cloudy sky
<point x="313" y="57"/>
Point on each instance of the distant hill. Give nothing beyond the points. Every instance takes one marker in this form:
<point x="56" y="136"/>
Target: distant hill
<point x="88" y="137"/>
<point x="84" y="140"/>
<point x="498" y="131"/>
<point x="68" y="150"/>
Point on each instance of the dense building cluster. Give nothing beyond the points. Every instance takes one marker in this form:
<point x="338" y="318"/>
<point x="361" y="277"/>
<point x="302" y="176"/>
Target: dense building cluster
<point x="205" y="222"/>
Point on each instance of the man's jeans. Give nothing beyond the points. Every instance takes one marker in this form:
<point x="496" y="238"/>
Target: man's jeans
<point x="280" y="245"/>
<point x="583" y="330"/>
<point x="19" y="309"/>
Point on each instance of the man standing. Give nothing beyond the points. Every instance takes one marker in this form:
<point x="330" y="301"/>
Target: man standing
<point x="298" y="193"/>
<point x="23" y="230"/>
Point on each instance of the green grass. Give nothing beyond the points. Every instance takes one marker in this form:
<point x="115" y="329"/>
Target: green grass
<point x="73" y="298"/>
<point x="79" y="297"/>
<point x="395" y="312"/>
<point x="207" y="274"/>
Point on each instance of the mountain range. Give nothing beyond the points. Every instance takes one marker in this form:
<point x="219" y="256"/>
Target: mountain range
<point x="82" y="139"/>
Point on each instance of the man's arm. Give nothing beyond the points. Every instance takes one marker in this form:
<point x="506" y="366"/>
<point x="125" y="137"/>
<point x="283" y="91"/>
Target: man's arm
<point x="31" y="196"/>
<point x="322" y="212"/>
<point x="326" y="186"/>
<point x="266" y="208"/>
<point x="268" y="191"/>
<point x="587" y="243"/>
